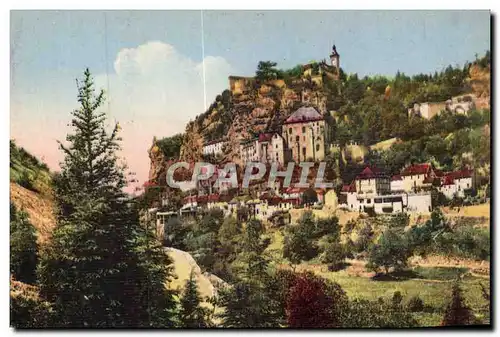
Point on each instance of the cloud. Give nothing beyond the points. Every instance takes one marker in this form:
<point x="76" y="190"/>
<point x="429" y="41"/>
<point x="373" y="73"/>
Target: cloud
<point x="153" y="90"/>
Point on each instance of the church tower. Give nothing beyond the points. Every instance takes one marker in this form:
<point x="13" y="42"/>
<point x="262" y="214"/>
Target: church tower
<point x="335" y="59"/>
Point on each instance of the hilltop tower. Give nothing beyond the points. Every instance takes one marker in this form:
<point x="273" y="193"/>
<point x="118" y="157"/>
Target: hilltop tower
<point x="335" y="59"/>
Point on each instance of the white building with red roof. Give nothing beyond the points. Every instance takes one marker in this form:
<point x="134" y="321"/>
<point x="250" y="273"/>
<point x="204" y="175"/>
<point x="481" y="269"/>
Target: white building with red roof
<point x="373" y="191"/>
<point x="418" y="176"/>
<point x="397" y="183"/>
<point x="304" y="133"/>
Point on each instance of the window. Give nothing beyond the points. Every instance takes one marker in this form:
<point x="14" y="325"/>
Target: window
<point x="317" y="147"/>
<point x="369" y="201"/>
<point x="304" y="151"/>
<point x="303" y="129"/>
<point x="290" y="131"/>
<point x="297" y="138"/>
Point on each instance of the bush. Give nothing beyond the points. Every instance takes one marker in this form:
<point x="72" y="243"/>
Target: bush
<point x="27" y="181"/>
<point x="415" y="304"/>
<point x="23" y="247"/>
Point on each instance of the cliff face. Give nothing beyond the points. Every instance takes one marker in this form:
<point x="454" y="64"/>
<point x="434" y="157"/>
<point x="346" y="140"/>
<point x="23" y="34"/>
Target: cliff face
<point x="479" y="79"/>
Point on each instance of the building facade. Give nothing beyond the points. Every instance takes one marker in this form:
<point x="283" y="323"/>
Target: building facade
<point x="373" y="191"/>
<point x="271" y="148"/>
<point x="304" y="133"/>
<point x="213" y="148"/>
<point x="250" y="151"/>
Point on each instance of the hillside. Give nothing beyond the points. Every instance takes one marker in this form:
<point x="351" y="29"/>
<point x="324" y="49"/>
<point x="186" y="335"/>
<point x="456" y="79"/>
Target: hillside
<point x="254" y="108"/>
<point x="365" y="111"/>
<point x="35" y="197"/>
<point x="30" y="189"/>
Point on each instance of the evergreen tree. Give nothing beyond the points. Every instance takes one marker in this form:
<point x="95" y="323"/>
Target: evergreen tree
<point x="101" y="269"/>
<point x="457" y="312"/>
<point x="191" y="314"/>
<point x="23" y="247"/>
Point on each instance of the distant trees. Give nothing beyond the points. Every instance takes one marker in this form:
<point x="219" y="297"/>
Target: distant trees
<point x="377" y="314"/>
<point x="299" y="242"/>
<point x="266" y="71"/>
<point x="171" y="146"/>
<point x="390" y="251"/>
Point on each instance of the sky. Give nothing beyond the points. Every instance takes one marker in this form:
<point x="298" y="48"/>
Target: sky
<point x="160" y="69"/>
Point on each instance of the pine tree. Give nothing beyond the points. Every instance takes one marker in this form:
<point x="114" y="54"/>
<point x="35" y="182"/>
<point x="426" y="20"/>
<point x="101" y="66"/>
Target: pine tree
<point x="457" y="312"/>
<point x="101" y="269"/>
<point x="192" y="314"/>
<point x="23" y="247"/>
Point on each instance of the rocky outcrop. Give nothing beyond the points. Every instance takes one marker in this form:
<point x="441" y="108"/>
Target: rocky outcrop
<point x="479" y="80"/>
<point x="208" y="284"/>
<point x="250" y="108"/>
<point x="157" y="161"/>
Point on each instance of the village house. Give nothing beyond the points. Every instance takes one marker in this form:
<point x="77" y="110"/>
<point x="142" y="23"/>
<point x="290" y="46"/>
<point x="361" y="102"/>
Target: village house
<point x="371" y="192"/>
<point x="418" y="176"/>
<point x="427" y="110"/>
<point x="304" y="132"/>
<point x="461" y="104"/>
<point x="250" y="150"/>
<point x="458" y="104"/>
<point x="456" y="183"/>
<point x="271" y="148"/>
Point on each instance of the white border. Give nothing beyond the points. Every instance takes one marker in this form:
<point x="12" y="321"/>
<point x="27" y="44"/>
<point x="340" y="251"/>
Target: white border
<point x="189" y="4"/>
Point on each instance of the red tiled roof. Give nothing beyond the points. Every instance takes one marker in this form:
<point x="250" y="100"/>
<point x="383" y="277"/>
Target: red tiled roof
<point x="304" y="114"/>
<point x="416" y="169"/>
<point x="292" y="190"/>
<point x="188" y="200"/>
<point x="370" y="173"/>
<point x="396" y="177"/>
<point x="213" y="198"/>
<point x="438" y="173"/>
<point x="149" y="184"/>
<point x="349" y="188"/>
<point x="447" y="180"/>
<point x="265" y="137"/>
<point x="428" y="180"/>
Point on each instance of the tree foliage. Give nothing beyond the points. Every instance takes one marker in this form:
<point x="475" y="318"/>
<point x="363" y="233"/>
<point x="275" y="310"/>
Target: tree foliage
<point x="315" y="303"/>
<point x="457" y="313"/>
<point x="191" y="313"/>
<point x="101" y="269"/>
<point x="23" y="247"/>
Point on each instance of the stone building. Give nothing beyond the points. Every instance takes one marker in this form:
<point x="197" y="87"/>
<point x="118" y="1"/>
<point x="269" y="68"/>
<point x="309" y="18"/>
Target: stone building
<point x="250" y="150"/>
<point x="427" y="110"/>
<point x="271" y="148"/>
